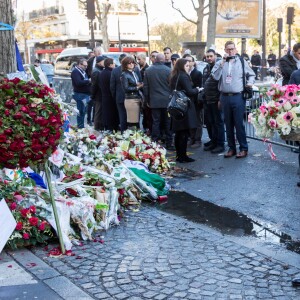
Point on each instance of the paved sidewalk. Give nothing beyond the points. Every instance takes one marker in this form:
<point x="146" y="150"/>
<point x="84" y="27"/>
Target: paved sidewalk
<point x="155" y="255"/>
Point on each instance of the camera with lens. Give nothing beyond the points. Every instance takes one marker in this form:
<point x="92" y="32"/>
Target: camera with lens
<point x="228" y="58"/>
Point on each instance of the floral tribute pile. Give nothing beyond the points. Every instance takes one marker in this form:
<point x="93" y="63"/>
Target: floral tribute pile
<point x="30" y="123"/>
<point x="32" y="226"/>
<point x="281" y="113"/>
<point x="94" y="183"/>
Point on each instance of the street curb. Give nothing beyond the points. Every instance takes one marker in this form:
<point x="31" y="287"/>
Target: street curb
<point x="49" y="276"/>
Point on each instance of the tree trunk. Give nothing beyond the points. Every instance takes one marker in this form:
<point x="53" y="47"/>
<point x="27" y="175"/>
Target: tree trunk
<point x="211" y="26"/>
<point x="7" y="39"/>
<point x="102" y="15"/>
<point x="105" y="39"/>
<point x="200" y="16"/>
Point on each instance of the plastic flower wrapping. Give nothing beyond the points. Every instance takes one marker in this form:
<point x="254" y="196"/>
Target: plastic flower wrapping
<point x="280" y="113"/>
<point x="30" y="123"/>
<point x="96" y="177"/>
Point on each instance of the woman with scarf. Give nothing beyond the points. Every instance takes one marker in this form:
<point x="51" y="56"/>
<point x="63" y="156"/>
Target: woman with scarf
<point x="132" y="88"/>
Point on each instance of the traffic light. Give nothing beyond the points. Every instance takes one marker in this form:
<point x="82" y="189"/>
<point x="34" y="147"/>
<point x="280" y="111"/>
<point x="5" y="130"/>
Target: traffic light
<point x="290" y="15"/>
<point x="90" y="8"/>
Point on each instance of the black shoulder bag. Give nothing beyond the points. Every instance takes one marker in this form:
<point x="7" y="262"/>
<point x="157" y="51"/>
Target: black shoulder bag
<point x="201" y="96"/>
<point x="179" y="103"/>
<point x="247" y="91"/>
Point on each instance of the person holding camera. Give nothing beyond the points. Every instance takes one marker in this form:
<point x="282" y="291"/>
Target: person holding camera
<point x="229" y="72"/>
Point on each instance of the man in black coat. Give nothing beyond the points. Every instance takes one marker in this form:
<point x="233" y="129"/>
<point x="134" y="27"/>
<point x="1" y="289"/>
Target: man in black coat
<point x="255" y="62"/>
<point x="212" y="109"/>
<point x="157" y="91"/>
<point x="196" y="76"/>
<point x="96" y="93"/>
<point x="81" y="89"/>
<point x="271" y="59"/>
<point x="147" y="116"/>
<point x="290" y="63"/>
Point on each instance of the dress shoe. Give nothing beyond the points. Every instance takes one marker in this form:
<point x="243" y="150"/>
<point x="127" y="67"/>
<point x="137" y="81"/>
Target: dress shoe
<point x="242" y="154"/>
<point x="195" y="145"/>
<point x="298" y="184"/>
<point x="218" y="149"/>
<point x="185" y="159"/>
<point x="296" y="281"/>
<point x="230" y="153"/>
<point x="210" y="147"/>
<point x="207" y="143"/>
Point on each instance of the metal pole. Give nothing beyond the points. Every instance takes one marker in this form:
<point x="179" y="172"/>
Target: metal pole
<point x="290" y="36"/>
<point x="119" y="34"/>
<point x="243" y="48"/>
<point x="92" y="35"/>
<point x="263" y="61"/>
<point x="279" y="50"/>
<point x="148" y="31"/>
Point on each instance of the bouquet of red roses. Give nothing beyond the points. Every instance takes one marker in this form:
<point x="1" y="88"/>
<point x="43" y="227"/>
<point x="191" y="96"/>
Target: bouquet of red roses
<point x="30" y="123"/>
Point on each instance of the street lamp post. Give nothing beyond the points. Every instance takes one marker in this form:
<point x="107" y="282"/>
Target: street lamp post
<point x="119" y="34"/>
<point x="148" y="32"/>
<point x="263" y="61"/>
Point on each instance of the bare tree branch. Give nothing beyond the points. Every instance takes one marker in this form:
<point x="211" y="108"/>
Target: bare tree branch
<point x="195" y="8"/>
<point x="179" y="10"/>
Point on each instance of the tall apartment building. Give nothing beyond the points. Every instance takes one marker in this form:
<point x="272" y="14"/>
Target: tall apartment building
<point x="63" y="24"/>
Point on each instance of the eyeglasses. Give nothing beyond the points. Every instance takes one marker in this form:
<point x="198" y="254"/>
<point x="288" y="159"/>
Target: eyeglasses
<point x="153" y="56"/>
<point x="189" y="60"/>
<point x="230" y="49"/>
<point x="131" y="63"/>
<point x="209" y="56"/>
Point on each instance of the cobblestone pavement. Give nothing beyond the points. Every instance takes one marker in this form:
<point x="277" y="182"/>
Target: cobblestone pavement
<point x="155" y="255"/>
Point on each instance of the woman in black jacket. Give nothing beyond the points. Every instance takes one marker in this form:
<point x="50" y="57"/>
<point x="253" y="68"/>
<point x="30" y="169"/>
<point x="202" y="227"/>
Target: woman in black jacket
<point x="182" y="127"/>
<point x="131" y="87"/>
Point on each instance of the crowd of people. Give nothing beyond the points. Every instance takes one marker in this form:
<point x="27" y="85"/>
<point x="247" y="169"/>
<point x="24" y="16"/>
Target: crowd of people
<point x="120" y="95"/>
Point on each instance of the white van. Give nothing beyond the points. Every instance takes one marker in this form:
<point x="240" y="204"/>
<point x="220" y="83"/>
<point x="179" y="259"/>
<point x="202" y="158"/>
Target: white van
<point x="64" y="65"/>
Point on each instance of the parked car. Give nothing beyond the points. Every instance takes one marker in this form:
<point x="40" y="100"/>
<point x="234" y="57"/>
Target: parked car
<point x="64" y="65"/>
<point x="48" y="70"/>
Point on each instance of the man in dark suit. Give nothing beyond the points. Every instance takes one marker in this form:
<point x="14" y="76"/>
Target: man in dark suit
<point x="196" y="76"/>
<point x="157" y="91"/>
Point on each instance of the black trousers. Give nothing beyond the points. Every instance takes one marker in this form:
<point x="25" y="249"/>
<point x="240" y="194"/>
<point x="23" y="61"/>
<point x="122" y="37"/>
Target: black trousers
<point x="181" y="140"/>
<point x="90" y="111"/>
<point x="161" y="121"/>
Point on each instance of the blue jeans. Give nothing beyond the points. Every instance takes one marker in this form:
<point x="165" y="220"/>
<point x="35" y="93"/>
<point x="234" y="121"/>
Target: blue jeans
<point x="234" y="108"/>
<point x="81" y="101"/>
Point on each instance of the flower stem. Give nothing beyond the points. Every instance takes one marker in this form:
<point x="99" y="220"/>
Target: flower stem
<point x="48" y="177"/>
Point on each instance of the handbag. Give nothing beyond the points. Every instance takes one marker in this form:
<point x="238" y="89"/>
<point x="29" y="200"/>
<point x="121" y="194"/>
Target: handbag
<point x="179" y="104"/>
<point x="247" y="91"/>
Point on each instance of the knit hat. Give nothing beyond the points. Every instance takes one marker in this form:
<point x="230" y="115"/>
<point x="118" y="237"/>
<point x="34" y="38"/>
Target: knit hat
<point x="99" y="58"/>
<point x="175" y="56"/>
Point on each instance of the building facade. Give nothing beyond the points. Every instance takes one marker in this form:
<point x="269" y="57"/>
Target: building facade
<point x="60" y="24"/>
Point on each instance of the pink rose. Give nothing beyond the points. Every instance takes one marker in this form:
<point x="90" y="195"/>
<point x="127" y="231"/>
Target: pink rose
<point x="19" y="226"/>
<point x="26" y="236"/>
